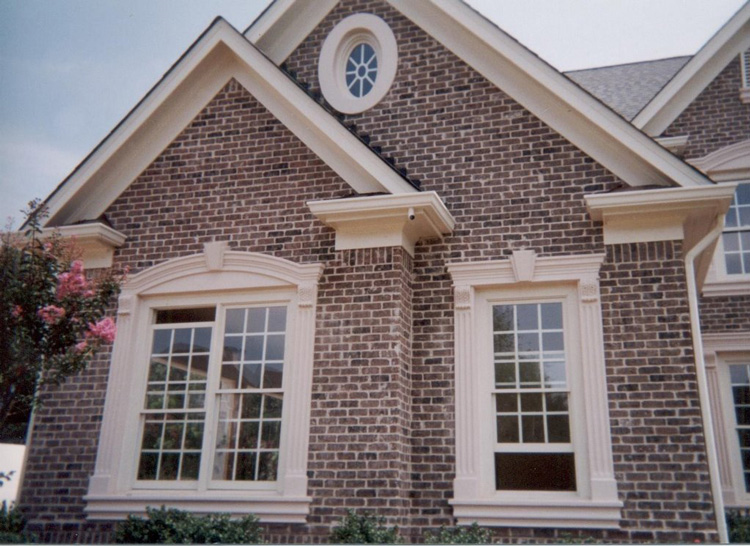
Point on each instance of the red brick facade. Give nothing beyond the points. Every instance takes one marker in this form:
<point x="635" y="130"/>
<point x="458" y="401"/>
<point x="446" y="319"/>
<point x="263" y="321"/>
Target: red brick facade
<point x="382" y="422"/>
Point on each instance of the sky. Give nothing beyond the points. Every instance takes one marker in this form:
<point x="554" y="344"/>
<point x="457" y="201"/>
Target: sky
<point x="70" y="70"/>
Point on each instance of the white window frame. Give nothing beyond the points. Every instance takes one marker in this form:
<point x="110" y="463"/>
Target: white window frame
<point x="719" y="280"/>
<point x="334" y="54"/>
<point x="720" y="351"/>
<point x="225" y="279"/>
<point x="573" y="280"/>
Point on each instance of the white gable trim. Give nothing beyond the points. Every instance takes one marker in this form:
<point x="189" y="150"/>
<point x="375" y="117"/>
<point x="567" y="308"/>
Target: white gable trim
<point x="694" y="77"/>
<point x="220" y="54"/>
<point x="549" y="95"/>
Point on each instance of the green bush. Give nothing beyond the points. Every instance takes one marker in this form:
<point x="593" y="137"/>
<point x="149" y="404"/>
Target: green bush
<point x="738" y="522"/>
<point x="170" y="526"/>
<point x="12" y="524"/>
<point x="459" y="535"/>
<point x="364" y="529"/>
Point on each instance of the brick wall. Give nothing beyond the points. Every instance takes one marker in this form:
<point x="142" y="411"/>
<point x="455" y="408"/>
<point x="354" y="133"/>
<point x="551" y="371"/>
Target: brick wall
<point x="382" y="430"/>
<point x="725" y="314"/>
<point x="716" y="118"/>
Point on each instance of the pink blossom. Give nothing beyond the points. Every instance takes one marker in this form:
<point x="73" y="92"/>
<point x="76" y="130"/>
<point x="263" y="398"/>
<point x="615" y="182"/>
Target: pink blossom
<point x="17" y="311"/>
<point x="72" y="282"/>
<point x="81" y="346"/>
<point x="104" y="330"/>
<point x="51" y="314"/>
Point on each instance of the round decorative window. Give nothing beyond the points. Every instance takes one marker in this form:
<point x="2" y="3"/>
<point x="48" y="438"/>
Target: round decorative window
<point x="357" y="63"/>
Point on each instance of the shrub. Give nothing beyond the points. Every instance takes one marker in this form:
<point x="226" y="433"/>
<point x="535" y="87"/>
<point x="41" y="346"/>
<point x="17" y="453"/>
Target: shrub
<point x="738" y="522"/>
<point x="364" y="529"/>
<point x="459" y="535"/>
<point x="170" y="526"/>
<point x="12" y="524"/>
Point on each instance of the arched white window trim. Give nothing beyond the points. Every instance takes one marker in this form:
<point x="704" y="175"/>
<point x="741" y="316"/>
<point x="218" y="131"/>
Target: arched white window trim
<point x="219" y="273"/>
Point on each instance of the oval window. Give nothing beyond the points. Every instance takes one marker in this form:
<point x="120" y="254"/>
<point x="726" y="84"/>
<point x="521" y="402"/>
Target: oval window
<point x="361" y="70"/>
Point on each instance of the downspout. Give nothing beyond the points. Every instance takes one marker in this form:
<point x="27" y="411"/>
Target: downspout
<point x="700" y="372"/>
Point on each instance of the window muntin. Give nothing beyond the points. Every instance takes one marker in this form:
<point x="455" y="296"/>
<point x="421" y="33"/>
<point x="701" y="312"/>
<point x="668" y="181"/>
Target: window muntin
<point x="244" y="402"/>
<point x="736" y="236"/>
<point x="531" y="399"/>
<point x="361" y="70"/>
<point x="739" y="376"/>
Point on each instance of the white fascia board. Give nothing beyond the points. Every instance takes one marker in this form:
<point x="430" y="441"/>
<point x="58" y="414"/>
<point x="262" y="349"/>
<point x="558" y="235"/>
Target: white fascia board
<point x="560" y="103"/>
<point x="729" y="163"/>
<point x="280" y="29"/>
<point x="221" y="54"/>
<point x="656" y="215"/>
<point x="694" y="77"/>
<point x="385" y="220"/>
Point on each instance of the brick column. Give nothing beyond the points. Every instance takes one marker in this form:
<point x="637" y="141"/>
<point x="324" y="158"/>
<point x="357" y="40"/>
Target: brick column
<point x="359" y="439"/>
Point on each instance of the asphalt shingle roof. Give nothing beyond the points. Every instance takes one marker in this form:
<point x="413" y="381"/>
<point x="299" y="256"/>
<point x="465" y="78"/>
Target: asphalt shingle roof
<point x="627" y="88"/>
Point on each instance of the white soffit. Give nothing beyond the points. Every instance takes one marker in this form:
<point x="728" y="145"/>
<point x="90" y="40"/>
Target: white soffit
<point x="656" y="215"/>
<point x="385" y="220"/>
<point x="696" y="75"/>
<point x="220" y="54"/>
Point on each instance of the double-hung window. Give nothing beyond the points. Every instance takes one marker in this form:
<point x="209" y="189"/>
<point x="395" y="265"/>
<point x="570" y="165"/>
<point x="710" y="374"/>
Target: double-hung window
<point x="208" y="401"/>
<point x="533" y="442"/>
<point x="531" y="395"/>
<point x="213" y="403"/>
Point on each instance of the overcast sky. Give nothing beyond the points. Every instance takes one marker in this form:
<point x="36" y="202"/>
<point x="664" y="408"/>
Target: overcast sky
<point x="70" y="70"/>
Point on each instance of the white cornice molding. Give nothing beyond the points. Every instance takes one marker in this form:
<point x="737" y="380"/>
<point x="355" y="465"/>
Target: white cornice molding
<point x="656" y="215"/>
<point x="728" y="163"/>
<point x="571" y="267"/>
<point x="385" y="220"/>
<point x="220" y="54"/>
<point x="96" y="240"/>
<point x="725" y="341"/>
<point x="687" y="84"/>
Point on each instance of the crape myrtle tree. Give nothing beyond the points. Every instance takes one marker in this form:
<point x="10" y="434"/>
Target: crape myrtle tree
<point x="52" y="318"/>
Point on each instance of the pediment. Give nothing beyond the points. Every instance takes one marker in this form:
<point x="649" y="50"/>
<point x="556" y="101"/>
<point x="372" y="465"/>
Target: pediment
<point x="218" y="56"/>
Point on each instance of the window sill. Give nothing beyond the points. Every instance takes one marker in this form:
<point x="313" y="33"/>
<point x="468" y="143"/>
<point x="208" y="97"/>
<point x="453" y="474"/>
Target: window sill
<point x="269" y="506"/>
<point x="536" y="511"/>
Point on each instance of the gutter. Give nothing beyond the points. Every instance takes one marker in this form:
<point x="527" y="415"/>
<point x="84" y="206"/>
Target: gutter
<point x="700" y="372"/>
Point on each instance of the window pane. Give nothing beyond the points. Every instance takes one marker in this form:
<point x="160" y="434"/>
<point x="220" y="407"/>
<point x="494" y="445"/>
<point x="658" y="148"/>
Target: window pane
<point x="733" y="264"/>
<point x="256" y="319"/>
<point x="502" y="318"/>
<point x="175" y="316"/>
<point x="251" y="376"/>
<point x="267" y="465"/>
<point x="531" y="402"/>
<point x="507" y="429"/>
<point x="181" y="340"/>
<point x="506" y="403"/>
<point x="551" y="316"/>
<point x="527" y="317"/>
<point x="277" y="319"/>
<point x="529" y="374"/>
<point x="162" y="342"/>
<point x="552" y="341"/>
<point x="232" y="348"/>
<point x="272" y="376"/>
<point x="505" y="343"/>
<point x="532" y="428"/>
<point x="535" y="471"/>
<point x="254" y="348"/>
<point x="235" y="321"/>
<point x="505" y="373"/>
<point x="558" y="429"/>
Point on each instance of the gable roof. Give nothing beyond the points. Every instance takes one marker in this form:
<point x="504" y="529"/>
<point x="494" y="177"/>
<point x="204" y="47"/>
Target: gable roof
<point x="627" y="88"/>
<point x="545" y="92"/>
<point x="694" y="77"/>
<point x="220" y="54"/>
